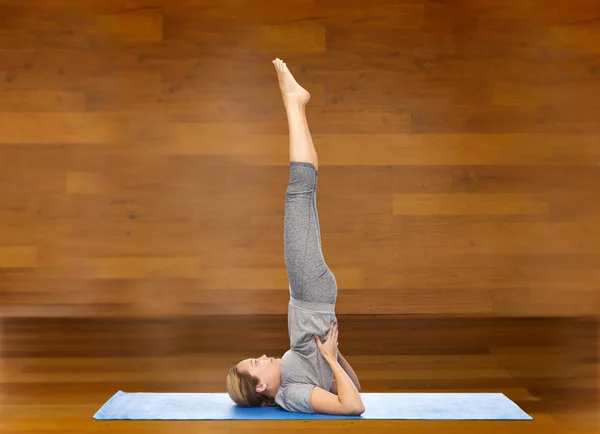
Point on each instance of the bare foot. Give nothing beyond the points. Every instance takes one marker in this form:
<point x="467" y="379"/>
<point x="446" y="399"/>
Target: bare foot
<point x="291" y="91"/>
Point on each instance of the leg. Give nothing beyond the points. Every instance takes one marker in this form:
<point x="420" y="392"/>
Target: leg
<point x="310" y="279"/>
<point x="295" y="98"/>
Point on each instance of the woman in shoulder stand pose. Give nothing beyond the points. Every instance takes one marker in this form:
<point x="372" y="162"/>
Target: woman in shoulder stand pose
<point x="303" y="379"/>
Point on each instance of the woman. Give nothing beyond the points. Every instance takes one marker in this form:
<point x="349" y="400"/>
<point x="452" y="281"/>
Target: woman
<point x="303" y="379"/>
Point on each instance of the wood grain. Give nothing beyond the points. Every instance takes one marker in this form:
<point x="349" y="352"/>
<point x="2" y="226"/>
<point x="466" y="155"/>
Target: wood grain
<point x="56" y="373"/>
<point x="144" y="155"/>
<point x="467" y="204"/>
<point x="18" y="256"/>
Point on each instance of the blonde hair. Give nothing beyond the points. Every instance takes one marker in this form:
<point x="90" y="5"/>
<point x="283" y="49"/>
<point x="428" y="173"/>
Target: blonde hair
<point x="241" y="387"/>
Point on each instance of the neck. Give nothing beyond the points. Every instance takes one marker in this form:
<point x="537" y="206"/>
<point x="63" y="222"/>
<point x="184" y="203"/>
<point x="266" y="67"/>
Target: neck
<point x="272" y="392"/>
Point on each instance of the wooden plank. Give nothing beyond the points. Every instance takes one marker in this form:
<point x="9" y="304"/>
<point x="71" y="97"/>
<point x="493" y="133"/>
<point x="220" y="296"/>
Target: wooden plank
<point x="525" y="93"/>
<point x="506" y="119"/>
<point x="459" y="149"/>
<point x="146" y="26"/>
<point x="387" y="13"/>
<point x="85" y="183"/>
<point x="456" y="204"/>
<point x="18" y="256"/>
<point x="21" y="100"/>
<point x="290" y="37"/>
<point x="54" y="128"/>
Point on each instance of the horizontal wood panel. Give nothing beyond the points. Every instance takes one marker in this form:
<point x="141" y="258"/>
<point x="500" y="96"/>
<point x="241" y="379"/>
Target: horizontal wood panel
<point x="55" y="128"/>
<point x="18" y="256"/>
<point x="180" y="138"/>
<point x="453" y="204"/>
<point x="536" y="238"/>
<point x="15" y="100"/>
<point x="515" y="93"/>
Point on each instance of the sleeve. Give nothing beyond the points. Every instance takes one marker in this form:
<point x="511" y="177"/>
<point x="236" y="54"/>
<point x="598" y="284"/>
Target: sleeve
<point x="296" y="398"/>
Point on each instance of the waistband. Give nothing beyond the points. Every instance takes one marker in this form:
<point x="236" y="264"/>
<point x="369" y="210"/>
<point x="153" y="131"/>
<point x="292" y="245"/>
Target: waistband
<point x="315" y="307"/>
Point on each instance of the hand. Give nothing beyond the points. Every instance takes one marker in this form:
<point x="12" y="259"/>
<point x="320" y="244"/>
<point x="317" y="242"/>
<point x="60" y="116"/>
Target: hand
<point x="328" y="347"/>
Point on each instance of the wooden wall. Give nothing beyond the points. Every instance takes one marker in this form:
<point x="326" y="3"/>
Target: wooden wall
<point x="144" y="155"/>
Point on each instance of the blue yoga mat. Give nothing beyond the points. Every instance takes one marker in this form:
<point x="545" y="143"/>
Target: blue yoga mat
<point x="219" y="406"/>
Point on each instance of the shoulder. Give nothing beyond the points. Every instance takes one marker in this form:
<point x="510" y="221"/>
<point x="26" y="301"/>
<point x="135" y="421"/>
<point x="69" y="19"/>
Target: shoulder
<point x="295" y="397"/>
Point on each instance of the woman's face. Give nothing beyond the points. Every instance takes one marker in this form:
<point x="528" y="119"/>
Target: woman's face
<point x="263" y="367"/>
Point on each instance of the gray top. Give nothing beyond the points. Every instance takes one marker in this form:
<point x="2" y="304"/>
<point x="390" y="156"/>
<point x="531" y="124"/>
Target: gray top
<point x="303" y="367"/>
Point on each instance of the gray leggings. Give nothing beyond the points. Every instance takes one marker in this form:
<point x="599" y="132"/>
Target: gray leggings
<point x="310" y="278"/>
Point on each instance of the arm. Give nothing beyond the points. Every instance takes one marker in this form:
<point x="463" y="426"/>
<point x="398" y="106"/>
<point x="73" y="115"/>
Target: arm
<point x="347" y="391"/>
<point x="348" y="369"/>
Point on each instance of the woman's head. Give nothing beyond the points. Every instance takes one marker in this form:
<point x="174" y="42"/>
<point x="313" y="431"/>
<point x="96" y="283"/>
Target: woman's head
<point x="254" y="382"/>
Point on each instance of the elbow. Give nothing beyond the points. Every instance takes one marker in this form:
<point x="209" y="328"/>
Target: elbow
<point x="358" y="411"/>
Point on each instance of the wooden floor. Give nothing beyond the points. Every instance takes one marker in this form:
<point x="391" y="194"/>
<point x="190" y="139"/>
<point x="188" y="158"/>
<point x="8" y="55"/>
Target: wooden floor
<point x="55" y="374"/>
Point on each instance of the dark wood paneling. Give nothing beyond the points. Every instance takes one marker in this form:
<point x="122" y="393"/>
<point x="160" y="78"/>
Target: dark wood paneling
<point x="144" y="155"/>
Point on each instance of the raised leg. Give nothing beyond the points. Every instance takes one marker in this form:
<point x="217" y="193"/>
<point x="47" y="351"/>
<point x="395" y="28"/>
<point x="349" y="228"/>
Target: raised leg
<point x="295" y="98"/>
<point x="310" y="279"/>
